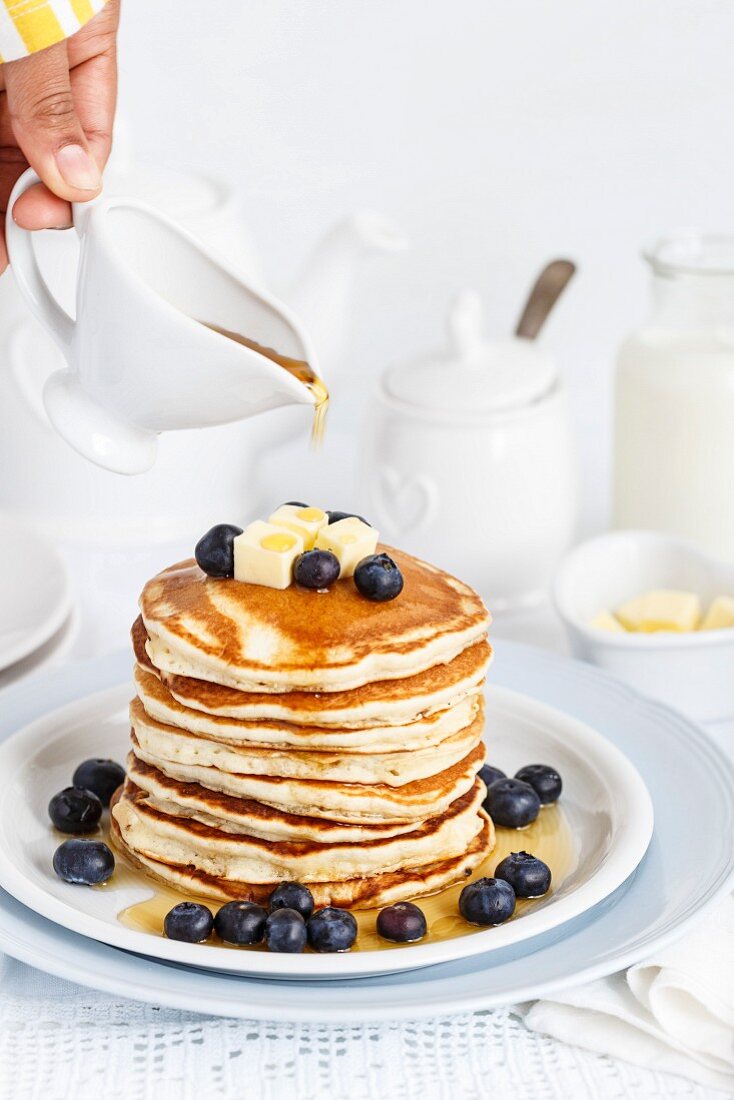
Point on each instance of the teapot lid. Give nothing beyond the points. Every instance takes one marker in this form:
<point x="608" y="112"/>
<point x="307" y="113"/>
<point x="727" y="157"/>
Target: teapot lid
<point x="473" y="374"/>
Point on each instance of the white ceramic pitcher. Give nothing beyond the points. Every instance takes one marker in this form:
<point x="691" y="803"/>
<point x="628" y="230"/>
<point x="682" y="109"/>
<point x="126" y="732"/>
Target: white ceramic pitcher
<point x="139" y="360"/>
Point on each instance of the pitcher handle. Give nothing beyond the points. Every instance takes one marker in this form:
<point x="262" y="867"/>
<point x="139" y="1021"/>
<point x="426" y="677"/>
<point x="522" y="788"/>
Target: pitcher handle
<point x="91" y="428"/>
<point x="28" y="275"/>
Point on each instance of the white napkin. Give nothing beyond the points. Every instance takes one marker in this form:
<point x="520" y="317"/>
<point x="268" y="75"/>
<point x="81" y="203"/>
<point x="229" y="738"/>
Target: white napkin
<point x="673" y="1013"/>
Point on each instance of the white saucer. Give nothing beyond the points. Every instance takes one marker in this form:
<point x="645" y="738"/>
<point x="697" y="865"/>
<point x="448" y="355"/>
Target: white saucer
<point x="35" y="597"/>
<point x="605" y="803"/>
<point x="688" y="866"/>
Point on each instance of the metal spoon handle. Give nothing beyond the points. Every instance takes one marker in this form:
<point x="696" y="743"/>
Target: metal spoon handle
<point x="548" y="288"/>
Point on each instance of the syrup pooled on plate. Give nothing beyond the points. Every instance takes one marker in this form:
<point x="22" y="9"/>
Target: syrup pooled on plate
<point x="298" y="368"/>
<point x="550" y="838"/>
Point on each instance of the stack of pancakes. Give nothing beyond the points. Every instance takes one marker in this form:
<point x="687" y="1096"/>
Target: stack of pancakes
<point x="310" y="736"/>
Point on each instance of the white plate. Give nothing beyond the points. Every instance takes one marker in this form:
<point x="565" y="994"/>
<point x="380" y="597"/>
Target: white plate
<point x="605" y="802"/>
<point x="34" y="592"/>
<point x="50" y="655"/>
<point x="688" y="866"/>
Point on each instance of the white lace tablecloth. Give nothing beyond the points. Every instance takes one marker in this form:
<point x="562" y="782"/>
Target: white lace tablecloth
<point x="59" y="1040"/>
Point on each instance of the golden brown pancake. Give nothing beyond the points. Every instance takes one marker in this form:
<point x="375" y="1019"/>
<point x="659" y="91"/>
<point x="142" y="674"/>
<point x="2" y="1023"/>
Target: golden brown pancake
<point x="257" y="638"/>
<point x="362" y="803"/>
<point x="245" y="815"/>
<point x="313" y="736"/>
<point x="394" y="769"/>
<point x="164" y="836"/>
<point x="420" y="735"/>
<point x="366" y="892"/>
<point x="381" y="703"/>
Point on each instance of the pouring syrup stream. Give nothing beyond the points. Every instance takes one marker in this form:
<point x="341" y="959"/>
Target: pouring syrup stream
<point x="298" y="368"/>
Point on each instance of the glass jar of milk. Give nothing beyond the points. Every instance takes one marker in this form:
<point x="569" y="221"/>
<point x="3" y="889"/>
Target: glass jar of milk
<point x="674" y="414"/>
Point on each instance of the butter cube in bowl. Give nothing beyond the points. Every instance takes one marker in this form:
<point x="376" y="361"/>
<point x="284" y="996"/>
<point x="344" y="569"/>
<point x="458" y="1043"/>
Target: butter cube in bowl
<point x="656" y="612"/>
<point x="661" y="609"/>
<point x="720" y="615"/>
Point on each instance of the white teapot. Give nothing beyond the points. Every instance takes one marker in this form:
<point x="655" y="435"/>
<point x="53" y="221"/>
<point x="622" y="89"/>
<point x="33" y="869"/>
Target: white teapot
<point x="468" y="460"/>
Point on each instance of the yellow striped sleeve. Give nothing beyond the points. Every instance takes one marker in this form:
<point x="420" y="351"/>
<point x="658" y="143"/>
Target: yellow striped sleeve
<point x="30" y="25"/>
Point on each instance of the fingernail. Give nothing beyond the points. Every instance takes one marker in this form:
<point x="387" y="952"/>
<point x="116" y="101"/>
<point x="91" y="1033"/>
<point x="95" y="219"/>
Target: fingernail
<point x="77" y="168"/>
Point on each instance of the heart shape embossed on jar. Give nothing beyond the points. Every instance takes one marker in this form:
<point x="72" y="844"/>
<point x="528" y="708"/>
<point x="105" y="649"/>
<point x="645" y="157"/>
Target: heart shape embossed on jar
<point x="405" y="502"/>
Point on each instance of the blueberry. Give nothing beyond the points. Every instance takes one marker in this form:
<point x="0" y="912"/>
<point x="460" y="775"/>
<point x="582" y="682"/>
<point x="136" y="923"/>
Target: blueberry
<point x="332" y="929"/>
<point x="292" y="895"/>
<point x="512" y="803"/>
<point x="103" y="777"/>
<point x="545" y="781"/>
<point x="240" y="922"/>
<point x="294" y="504"/>
<point x="285" y="930"/>
<point x="316" y="569"/>
<point x="378" y="578"/>
<point x="402" y="923"/>
<point x="528" y="876"/>
<point x="84" y="862"/>
<point x="490" y="775"/>
<point x="75" y="810"/>
<point x="214" y="552"/>
<point x="487" y="901"/>
<point x="334" y="517"/>
<point x="189" y="922"/>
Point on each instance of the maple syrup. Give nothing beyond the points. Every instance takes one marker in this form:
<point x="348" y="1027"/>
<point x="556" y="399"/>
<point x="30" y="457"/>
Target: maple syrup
<point x="299" y="368"/>
<point x="550" y="838"/>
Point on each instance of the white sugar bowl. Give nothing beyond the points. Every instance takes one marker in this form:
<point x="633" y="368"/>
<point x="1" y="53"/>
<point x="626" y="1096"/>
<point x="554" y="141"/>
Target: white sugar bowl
<point x="469" y="461"/>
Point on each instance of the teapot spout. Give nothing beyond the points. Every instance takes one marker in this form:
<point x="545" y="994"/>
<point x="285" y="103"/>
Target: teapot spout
<point x="322" y="295"/>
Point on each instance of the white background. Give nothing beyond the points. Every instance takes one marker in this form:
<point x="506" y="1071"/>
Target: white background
<point x="496" y="134"/>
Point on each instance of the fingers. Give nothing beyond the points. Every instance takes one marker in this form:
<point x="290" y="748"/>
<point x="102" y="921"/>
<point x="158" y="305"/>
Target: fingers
<point x="93" y="63"/>
<point x="97" y="36"/>
<point x="39" y="208"/>
<point x="94" y="85"/>
<point x="59" y="108"/>
<point x="46" y="125"/>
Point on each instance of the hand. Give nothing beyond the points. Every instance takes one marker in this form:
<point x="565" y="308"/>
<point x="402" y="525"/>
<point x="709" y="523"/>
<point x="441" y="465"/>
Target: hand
<point x="56" y="113"/>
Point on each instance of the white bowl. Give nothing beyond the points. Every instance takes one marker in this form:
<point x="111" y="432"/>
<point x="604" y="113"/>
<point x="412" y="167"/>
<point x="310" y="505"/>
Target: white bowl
<point x="693" y="672"/>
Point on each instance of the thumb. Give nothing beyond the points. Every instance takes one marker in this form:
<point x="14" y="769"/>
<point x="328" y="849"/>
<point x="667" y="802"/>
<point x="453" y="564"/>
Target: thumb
<point x="46" y="126"/>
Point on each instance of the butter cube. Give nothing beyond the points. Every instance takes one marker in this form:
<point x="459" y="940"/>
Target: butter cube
<point x="306" y="522"/>
<point x="661" y="609"/>
<point x="720" y="614"/>
<point x="632" y="613"/>
<point x="351" y="540"/>
<point x="606" y="621"/>
<point x="264" y="554"/>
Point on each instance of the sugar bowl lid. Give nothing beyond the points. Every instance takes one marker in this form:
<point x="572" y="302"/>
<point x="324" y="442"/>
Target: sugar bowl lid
<point x="473" y="375"/>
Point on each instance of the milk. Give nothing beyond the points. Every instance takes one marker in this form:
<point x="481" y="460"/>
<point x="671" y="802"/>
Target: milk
<point x="674" y="427"/>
